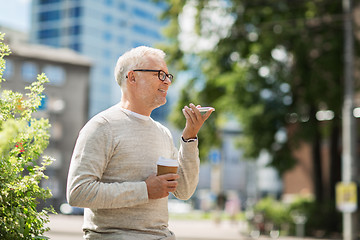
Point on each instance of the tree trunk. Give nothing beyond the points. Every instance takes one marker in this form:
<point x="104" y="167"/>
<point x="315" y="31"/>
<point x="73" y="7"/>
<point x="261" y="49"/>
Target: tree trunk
<point x="316" y="154"/>
<point x="335" y="160"/>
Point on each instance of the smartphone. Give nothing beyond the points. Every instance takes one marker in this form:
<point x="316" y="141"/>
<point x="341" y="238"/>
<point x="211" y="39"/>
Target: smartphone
<point x="205" y="109"/>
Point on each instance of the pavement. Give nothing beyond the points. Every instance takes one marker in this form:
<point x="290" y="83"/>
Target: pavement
<point x="68" y="227"/>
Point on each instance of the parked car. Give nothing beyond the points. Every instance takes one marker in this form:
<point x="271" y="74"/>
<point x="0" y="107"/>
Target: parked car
<point x="65" y="208"/>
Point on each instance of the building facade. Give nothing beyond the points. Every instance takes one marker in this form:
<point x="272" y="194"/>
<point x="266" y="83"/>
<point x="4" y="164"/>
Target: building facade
<point x="65" y="103"/>
<point x="101" y="30"/>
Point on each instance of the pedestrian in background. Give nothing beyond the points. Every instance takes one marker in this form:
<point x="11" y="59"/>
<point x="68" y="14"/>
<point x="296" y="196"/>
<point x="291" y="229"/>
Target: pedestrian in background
<point x="113" y="168"/>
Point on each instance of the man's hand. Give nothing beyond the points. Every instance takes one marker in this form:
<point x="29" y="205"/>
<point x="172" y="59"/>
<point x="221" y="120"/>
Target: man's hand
<point x="194" y="120"/>
<point x="160" y="186"/>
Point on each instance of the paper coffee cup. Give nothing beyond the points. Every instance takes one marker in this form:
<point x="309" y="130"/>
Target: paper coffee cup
<point x="166" y="165"/>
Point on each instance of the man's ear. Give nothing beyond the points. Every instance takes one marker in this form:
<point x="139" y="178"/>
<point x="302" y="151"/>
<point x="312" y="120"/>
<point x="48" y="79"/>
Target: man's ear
<point x="131" y="77"/>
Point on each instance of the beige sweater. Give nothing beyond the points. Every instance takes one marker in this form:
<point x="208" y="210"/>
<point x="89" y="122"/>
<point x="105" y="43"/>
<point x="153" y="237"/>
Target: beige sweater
<point x="113" y="156"/>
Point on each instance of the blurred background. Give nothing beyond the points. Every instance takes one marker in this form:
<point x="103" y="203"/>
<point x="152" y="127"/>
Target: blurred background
<point x="276" y="71"/>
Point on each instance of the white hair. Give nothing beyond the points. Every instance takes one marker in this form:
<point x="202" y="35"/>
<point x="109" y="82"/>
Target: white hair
<point x="133" y="59"/>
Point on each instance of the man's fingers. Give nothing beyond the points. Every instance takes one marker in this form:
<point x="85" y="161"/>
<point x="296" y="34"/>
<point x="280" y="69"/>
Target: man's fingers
<point x="188" y="114"/>
<point x="170" y="176"/>
<point x="195" y="110"/>
<point x="171" y="186"/>
<point x="207" y="114"/>
<point x="160" y="186"/>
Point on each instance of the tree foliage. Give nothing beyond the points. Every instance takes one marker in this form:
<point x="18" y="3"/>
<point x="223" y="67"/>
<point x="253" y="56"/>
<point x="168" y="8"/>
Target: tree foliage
<point x="274" y="66"/>
<point x="23" y="139"/>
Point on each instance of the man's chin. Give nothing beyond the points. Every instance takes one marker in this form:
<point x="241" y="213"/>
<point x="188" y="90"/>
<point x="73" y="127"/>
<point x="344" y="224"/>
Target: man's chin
<point x="160" y="103"/>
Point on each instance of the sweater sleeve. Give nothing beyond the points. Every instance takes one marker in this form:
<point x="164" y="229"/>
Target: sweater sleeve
<point x="189" y="170"/>
<point x="92" y="152"/>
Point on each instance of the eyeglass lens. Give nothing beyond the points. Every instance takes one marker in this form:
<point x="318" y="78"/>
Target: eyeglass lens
<point x="163" y="75"/>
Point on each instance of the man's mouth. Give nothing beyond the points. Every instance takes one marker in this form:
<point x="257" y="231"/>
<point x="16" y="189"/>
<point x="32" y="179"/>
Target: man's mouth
<point x="162" y="90"/>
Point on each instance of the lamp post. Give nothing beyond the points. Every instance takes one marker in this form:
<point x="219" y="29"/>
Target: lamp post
<point x="348" y="134"/>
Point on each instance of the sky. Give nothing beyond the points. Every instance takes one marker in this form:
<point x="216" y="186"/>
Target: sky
<point x="15" y="14"/>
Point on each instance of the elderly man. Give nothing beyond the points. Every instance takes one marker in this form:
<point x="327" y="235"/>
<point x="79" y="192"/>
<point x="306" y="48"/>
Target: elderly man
<point x="113" y="168"/>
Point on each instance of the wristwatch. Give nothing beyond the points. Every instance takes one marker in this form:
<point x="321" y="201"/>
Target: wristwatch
<point x="189" y="140"/>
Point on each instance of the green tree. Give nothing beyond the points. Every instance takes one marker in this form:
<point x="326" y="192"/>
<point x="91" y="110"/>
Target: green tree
<point x="23" y="139"/>
<point x="274" y="66"/>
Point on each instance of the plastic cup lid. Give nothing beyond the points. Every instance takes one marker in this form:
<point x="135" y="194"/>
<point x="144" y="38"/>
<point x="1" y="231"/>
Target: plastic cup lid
<point x="167" y="162"/>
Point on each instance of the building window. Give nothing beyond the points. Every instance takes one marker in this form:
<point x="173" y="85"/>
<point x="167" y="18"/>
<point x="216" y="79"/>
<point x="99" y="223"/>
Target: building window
<point x="55" y="42"/>
<point x="48" y="33"/>
<point x="9" y="69"/>
<point x="74" y="30"/>
<point x="146" y="31"/>
<point x="43" y="104"/>
<point x="137" y="44"/>
<point x="56" y="105"/>
<point x="162" y="5"/>
<point x="75" y="12"/>
<point x="144" y="14"/>
<point x="122" y="23"/>
<point x="49" y="16"/>
<point x="75" y="46"/>
<point x="48" y="1"/>
<point x="109" y="3"/>
<point x="107" y="36"/>
<point x="121" y="40"/>
<point x="122" y="6"/>
<point x="56" y="74"/>
<point x="29" y="71"/>
<point x="108" y="19"/>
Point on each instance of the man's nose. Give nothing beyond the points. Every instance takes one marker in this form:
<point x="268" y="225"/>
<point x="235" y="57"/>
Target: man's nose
<point x="167" y="80"/>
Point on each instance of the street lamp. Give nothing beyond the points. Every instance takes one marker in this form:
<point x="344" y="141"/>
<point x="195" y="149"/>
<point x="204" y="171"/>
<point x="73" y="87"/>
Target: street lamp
<point x="348" y="135"/>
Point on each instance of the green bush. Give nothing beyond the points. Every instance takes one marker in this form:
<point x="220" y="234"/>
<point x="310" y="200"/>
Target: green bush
<point x="23" y="139"/>
<point x="321" y="219"/>
<point x="273" y="211"/>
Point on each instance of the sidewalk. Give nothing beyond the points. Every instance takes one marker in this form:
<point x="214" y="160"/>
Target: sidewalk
<point x="203" y="229"/>
<point x="65" y="227"/>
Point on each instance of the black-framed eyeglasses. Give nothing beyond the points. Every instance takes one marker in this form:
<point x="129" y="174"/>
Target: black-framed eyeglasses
<point x="161" y="74"/>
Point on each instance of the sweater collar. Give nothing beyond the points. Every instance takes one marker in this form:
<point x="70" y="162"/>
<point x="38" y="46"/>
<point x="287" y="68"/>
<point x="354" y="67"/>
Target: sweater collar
<point x="137" y="115"/>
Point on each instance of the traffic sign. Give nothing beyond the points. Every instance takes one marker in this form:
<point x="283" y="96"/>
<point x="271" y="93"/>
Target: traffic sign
<point x="215" y="156"/>
<point x="346" y="197"/>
